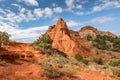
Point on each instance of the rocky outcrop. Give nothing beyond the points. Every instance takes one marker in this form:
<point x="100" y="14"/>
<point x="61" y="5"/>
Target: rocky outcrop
<point x="89" y="30"/>
<point x="108" y="34"/>
<point x="64" y="41"/>
<point x="74" y="33"/>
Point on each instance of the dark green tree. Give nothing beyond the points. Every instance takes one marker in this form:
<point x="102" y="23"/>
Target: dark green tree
<point x="89" y="38"/>
<point x="4" y="38"/>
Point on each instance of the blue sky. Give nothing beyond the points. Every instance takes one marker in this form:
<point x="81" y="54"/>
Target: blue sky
<point x="25" y="20"/>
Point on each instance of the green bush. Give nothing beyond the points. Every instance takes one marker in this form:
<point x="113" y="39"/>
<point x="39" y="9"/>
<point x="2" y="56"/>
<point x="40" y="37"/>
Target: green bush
<point x="85" y="61"/>
<point x="115" y="63"/>
<point x="89" y="38"/>
<point x="4" y="38"/>
<point x="98" y="60"/>
<point x="78" y="57"/>
<point x="44" y="42"/>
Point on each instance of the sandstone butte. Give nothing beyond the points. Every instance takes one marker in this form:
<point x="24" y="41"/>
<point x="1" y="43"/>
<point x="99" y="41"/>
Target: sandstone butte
<point x="64" y="41"/>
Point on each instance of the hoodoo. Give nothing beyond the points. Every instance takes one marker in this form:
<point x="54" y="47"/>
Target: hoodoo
<point x="63" y="41"/>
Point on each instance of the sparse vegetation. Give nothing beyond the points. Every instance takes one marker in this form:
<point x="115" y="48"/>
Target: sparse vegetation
<point x="98" y="60"/>
<point x="78" y="57"/>
<point x="85" y="61"/>
<point x="100" y="42"/>
<point x="115" y="63"/>
<point x="43" y="42"/>
<point x="56" y="66"/>
<point x="50" y="71"/>
<point x="89" y="38"/>
<point x="104" y="42"/>
<point x="4" y="38"/>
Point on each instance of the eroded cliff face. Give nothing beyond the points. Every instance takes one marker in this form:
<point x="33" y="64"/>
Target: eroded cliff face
<point x="63" y="40"/>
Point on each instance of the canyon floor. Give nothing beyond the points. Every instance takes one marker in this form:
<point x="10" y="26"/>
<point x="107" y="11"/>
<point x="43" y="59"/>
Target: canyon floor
<point x="26" y="68"/>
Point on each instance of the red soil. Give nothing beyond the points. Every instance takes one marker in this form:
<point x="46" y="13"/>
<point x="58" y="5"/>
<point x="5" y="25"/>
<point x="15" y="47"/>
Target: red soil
<point x="93" y="76"/>
<point x="27" y="69"/>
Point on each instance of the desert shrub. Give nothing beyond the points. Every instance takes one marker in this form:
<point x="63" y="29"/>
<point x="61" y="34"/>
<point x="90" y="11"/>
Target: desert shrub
<point x="85" y="61"/>
<point x="59" y="65"/>
<point x="100" y="42"/>
<point x="115" y="63"/>
<point x="98" y="60"/>
<point x="50" y="71"/>
<point x="4" y="38"/>
<point x="78" y="57"/>
<point x="69" y="72"/>
<point x="89" y="38"/>
<point x="105" y="42"/>
<point x="44" y="42"/>
<point x="54" y="51"/>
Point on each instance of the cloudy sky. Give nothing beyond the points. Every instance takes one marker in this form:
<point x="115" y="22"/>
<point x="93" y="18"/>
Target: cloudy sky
<point x="25" y="20"/>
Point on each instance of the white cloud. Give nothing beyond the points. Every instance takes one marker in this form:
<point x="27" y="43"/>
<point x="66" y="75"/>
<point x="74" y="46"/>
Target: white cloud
<point x="38" y="12"/>
<point x="23" y="15"/>
<point x="54" y="4"/>
<point x="48" y="12"/>
<point x="16" y="5"/>
<point x="30" y="2"/>
<point x="79" y="13"/>
<point x="79" y="6"/>
<point x="58" y="9"/>
<point x="106" y="4"/>
<point x="27" y="15"/>
<point x="29" y="34"/>
<point x="70" y="4"/>
<point x="75" y="4"/>
<point x="9" y="20"/>
<point x="73" y="23"/>
<point x="82" y="1"/>
<point x="102" y="19"/>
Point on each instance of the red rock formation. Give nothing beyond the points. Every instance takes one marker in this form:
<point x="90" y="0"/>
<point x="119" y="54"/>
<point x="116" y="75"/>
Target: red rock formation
<point x="63" y="41"/>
